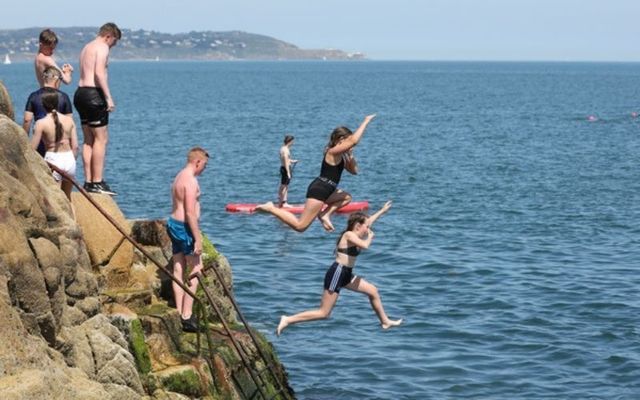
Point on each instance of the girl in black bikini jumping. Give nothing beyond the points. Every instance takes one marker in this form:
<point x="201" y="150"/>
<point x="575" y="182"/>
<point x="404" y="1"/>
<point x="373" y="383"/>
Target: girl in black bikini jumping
<point x="358" y="235"/>
<point x="338" y="156"/>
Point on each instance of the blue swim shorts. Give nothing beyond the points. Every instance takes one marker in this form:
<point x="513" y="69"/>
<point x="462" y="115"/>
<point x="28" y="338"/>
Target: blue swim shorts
<point x="181" y="237"/>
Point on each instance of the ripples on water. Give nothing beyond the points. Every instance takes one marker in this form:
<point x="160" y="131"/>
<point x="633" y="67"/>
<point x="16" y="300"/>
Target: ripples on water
<point x="512" y="246"/>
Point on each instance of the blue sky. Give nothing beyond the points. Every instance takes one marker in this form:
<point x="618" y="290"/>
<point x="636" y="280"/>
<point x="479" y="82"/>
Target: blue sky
<point x="562" y="30"/>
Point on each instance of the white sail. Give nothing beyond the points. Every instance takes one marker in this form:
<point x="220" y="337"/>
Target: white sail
<point x="7" y="60"/>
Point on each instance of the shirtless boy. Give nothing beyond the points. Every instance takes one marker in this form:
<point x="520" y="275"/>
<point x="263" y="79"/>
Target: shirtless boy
<point x="285" y="170"/>
<point x="94" y="103"/>
<point x="184" y="231"/>
<point x="44" y="58"/>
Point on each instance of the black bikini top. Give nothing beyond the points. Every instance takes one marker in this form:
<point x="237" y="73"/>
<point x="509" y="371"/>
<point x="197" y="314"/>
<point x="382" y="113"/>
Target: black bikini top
<point x="352" y="251"/>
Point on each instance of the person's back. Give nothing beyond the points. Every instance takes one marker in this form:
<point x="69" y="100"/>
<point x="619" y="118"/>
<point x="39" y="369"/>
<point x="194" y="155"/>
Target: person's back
<point x="47" y="127"/>
<point x="35" y="110"/>
<point x="184" y="181"/>
<point x="58" y="132"/>
<point x="88" y="58"/>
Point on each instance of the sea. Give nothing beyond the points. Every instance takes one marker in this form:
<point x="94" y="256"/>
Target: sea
<point x="512" y="247"/>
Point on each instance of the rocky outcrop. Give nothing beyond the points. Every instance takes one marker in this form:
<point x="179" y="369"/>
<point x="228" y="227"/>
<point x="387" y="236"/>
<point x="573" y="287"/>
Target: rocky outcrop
<point x="6" y="107"/>
<point x="84" y="314"/>
<point x="50" y="296"/>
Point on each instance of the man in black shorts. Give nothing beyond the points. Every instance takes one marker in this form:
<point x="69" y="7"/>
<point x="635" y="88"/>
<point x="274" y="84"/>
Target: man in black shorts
<point x="94" y="103"/>
<point x="286" y="166"/>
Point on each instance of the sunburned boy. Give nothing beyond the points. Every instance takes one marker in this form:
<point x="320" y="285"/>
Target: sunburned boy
<point x="44" y="58"/>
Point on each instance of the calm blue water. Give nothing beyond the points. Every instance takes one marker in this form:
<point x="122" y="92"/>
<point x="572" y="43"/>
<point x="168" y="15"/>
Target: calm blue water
<point x="511" y="250"/>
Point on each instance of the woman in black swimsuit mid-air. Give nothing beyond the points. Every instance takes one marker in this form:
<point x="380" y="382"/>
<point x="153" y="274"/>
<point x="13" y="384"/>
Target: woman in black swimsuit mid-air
<point x="358" y="235"/>
<point x="338" y="156"/>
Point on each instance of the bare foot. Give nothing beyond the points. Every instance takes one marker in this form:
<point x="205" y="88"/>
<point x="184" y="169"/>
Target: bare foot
<point x="326" y="223"/>
<point x="266" y="207"/>
<point x="391" y="323"/>
<point x="283" y="324"/>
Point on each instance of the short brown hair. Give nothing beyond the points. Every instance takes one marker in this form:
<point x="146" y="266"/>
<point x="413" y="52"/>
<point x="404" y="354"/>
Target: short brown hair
<point x="197" y="153"/>
<point x="110" y="29"/>
<point x="48" y="37"/>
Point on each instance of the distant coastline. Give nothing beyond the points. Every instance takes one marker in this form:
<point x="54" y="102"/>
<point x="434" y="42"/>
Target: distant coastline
<point x="143" y="45"/>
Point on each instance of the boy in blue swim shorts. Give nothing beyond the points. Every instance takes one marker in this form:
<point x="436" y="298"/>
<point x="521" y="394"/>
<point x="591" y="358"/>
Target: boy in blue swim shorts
<point x="186" y="238"/>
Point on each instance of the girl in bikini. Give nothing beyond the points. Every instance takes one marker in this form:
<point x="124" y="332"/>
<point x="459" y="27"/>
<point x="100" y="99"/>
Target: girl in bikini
<point x="357" y="236"/>
<point x="58" y="131"/>
<point x="338" y="156"/>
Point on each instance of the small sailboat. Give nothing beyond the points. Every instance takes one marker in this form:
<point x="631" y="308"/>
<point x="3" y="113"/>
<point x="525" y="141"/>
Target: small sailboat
<point x="157" y="58"/>
<point x="7" y="60"/>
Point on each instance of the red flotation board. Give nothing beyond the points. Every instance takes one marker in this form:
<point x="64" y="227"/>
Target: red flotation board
<point x="296" y="208"/>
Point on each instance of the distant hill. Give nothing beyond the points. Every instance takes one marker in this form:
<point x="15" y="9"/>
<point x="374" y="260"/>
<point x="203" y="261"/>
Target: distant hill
<point x="22" y="44"/>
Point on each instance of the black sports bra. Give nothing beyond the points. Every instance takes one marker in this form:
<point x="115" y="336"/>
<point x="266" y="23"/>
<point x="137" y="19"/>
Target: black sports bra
<point x="352" y="251"/>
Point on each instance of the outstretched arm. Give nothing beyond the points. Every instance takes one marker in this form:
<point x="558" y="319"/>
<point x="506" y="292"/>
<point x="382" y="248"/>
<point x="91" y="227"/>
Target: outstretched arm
<point x="374" y="217"/>
<point x="357" y="241"/>
<point x="352" y="140"/>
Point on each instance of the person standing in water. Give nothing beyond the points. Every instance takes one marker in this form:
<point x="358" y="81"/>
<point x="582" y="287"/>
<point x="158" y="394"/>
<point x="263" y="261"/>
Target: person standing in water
<point x="58" y="132"/>
<point x="357" y="236"/>
<point x="337" y="156"/>
<point x="184" y="232"/>
<point x="286" y="170"/>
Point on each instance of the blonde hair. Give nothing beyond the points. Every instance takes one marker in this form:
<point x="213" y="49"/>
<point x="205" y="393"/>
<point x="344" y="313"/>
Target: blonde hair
<point x="197" y="153"/>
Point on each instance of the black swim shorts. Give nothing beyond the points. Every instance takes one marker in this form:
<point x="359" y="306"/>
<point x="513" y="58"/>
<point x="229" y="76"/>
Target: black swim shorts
<point x="92" y="106"/>
<point x="284" y="179"/>
<point x="337" y="277"/>
<point x="320" y="189"/>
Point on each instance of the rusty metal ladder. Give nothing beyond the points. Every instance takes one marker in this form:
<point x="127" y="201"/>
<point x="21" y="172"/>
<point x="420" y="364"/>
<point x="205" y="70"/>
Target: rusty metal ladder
<point x="256" y="376"/>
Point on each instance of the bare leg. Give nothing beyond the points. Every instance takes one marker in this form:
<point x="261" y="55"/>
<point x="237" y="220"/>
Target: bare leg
<point x="311" y="208"/>
<point x="282" y="195"/>
<point x="101" y="138"/>
<point x="327" y="303"/>
<point x="87" y="151"/>
<point x="362" y="286"/>
<point x="187" y="302"/>
<point x="337" y="200"/>
<point x="179" y="262"/>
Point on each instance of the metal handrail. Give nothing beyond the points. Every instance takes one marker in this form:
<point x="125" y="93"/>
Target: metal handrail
<point x="188" y="291"/>
<point x="267" y="363"/>
<point x="235" y="343"/>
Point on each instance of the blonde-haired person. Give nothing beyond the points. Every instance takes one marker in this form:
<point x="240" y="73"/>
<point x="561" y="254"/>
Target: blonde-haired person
<point x="58" y="132"/>
<point x="358" y="235"/>
<point x="337" y="156"/>
<point x="184" y="231"/>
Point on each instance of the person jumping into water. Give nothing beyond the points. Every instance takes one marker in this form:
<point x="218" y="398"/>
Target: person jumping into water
<point x="358" y="235"/>
<point x="338" y="155"/>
